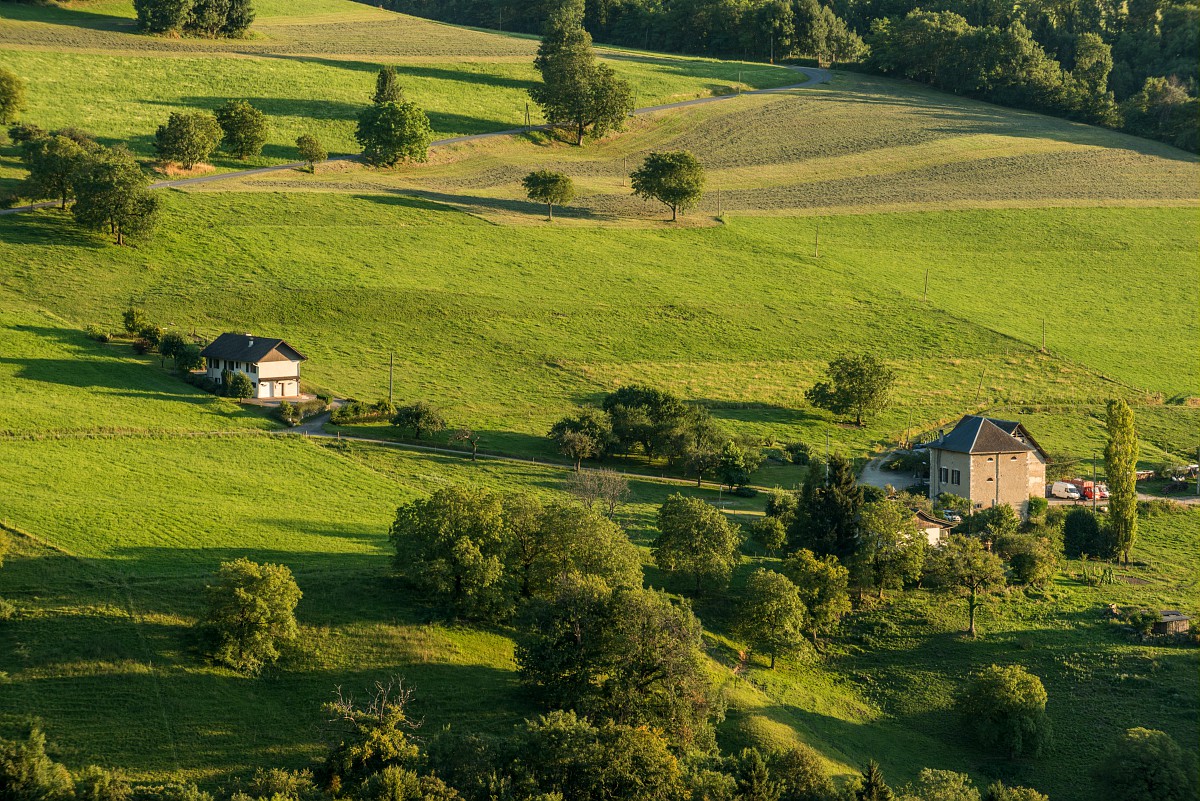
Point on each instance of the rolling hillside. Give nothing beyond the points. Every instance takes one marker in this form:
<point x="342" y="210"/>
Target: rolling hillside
<point x="949" y="233"/>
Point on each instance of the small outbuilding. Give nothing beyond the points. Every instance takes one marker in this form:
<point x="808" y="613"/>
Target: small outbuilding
<point x="1172" y="621"/>
<point x="933" y="527"/>
<point x="272" y="365"/>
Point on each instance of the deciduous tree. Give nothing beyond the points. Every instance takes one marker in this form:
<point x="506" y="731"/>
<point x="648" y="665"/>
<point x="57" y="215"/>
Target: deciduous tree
<point x="187" y="138"/>
<point x="771" y="616"/>
<point x="12" y="95"/>
<point x="857" y="384"/>
<point x="420" y="417"/>
<point x="603" y="486"/>
<point x="696" y="539"/>
<point x="890" y="550"/>
<point x="28" y="774"/>
<point x="675" y="179"/>
<point x="769" y="534"/>
<point x="631" y="656"/>
<point x="961" y="564"/>
<point x="393" y="132"/>
<point x="53" y="163"/>
<point x="1006" y="709"/>
<point x="243" y="127"/>
<point x="1120" y="465"/>
<point x="823" y="586"/>
<point x="1145" y="764"/>
<point x="551" y="188"/>
<point x="452" y="545"/>
<point x="111" y="192"/>
<point x="251" y="613"/>
<point x="311" y="150"/>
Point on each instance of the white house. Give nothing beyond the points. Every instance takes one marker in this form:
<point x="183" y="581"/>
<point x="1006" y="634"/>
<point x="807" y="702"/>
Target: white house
<point x="272" y="365"/>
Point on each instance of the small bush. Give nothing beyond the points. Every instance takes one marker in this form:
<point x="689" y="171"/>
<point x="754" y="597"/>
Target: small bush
<point x="743" y="491"/>
<point x="24" y="132"/>
<point x="1038" y="507"/>
<point x="798" y="452"/>
<point x="7" y="610"/>
<point x="152" y="334"/>
<point x="287" y="413"/>
<point x="238" y="385"/>
<point x="142" y="346"/>
<point x="169" y="792"/>
<point x="356" y="411"/>
<point x="97" y="333"/>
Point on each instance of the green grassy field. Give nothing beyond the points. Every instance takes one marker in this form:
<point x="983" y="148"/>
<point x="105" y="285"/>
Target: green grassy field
<point x="130" y="486"/>
<point x="515" y="343"/>
<point x="86" y="68"/>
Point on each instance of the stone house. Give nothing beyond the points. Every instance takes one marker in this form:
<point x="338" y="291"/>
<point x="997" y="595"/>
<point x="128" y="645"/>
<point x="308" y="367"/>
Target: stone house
<point x="988" y="462"/>
<point x="272" y="365"/>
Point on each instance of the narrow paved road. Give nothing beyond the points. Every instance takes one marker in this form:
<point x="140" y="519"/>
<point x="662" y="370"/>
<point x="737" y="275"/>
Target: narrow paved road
<point x="873" y="474"/>
<point x="815" y="77"/>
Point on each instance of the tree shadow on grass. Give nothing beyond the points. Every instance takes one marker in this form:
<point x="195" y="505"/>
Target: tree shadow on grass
<point x="408" y="70"/>
<point x="49" y="227"/>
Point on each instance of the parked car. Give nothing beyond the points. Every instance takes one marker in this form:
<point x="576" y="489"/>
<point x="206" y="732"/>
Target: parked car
<point x="1065" y="489"/>
<point x="950" y="516"/>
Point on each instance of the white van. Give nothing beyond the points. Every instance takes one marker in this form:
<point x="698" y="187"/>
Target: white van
<point x="1064" y="489"/>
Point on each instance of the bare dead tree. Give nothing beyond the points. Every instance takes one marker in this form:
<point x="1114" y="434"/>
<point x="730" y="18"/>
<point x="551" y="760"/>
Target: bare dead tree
<point x="469" y="436"/>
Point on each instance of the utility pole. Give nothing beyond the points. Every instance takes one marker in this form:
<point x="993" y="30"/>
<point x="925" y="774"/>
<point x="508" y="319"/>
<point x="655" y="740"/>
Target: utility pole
<point x="527" y="120"/>
<point x="827" y="458"/>
<point x="925" y="297"/>
<point x="739" y="83"/>
<point x="391" y="361"/>
<point x="1095" y="494"/>
<point x="500" y="24"/>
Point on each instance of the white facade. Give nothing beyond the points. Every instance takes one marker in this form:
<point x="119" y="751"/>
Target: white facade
<point x="272" y="366"/>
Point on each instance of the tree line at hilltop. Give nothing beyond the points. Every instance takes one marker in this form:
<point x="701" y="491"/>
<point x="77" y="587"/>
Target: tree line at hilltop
<point x="1131" y="66"/>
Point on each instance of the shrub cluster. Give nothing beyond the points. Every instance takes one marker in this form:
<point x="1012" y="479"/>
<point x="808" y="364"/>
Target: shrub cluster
<point x="356" y="411"/>
<point x="657" y="424"/>
<point x="294" y="413"/>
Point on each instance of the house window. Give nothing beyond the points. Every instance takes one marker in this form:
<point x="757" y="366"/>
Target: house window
<point x="1013" y="459"/>
<point x="990" y="478"/>
<point x="955" y="477"/>
<point x="254" y="368"/>
<point x="944" y="475"/>
<point x="990" y="459"/>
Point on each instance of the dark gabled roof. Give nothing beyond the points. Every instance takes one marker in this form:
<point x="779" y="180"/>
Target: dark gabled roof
<point x="249" y="348"/>
<point x="932" y="519"/>
<point x="1170" y="615"/>
<point x="976" y="434"/>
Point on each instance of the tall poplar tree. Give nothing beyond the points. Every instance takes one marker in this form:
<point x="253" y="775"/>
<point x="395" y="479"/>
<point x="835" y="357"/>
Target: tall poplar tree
<point x="1120" y="464"/>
